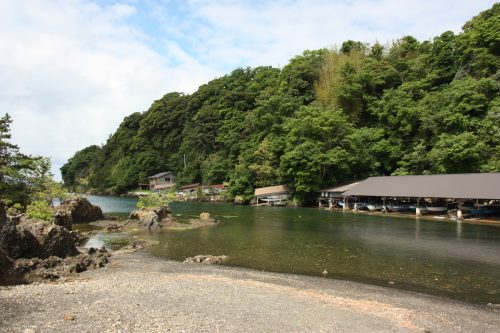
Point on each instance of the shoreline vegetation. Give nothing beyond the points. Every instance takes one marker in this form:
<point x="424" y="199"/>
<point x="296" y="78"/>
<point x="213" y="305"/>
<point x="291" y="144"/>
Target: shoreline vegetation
<point x="328" y="117"/>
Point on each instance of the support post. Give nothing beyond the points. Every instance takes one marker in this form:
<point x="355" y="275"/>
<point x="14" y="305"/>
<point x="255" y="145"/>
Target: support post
<point x="346" y="205"/>
<point x="418" y="213"/>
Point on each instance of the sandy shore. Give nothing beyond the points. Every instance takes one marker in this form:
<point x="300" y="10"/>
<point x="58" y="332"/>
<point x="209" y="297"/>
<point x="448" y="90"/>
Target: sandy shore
<point x="140" y="293"/>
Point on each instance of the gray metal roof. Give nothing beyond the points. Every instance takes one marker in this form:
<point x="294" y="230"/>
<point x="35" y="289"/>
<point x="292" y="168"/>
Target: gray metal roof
<point x="340" y="189"/>
<point x="161" y="174"/>
<point x="460" y="186"/>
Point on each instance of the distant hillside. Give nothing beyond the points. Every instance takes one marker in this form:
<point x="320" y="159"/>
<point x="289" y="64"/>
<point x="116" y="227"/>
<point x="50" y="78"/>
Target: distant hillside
<point x="327" y="117"/>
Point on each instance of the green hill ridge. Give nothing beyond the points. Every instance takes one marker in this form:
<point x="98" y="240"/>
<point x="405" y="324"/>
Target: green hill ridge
<point x="327" y="117"/>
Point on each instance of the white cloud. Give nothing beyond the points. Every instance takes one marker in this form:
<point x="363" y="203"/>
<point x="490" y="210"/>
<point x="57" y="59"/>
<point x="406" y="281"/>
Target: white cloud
<point x="260" y="32"/>
<point x="72" y="69"/>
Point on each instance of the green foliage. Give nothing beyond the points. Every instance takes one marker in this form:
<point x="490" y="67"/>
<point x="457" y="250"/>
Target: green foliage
<point x="154" y="200"/>
<point x="326" y="117"/>
<point x="40" y="210"/>
<point x="22" y="177"/>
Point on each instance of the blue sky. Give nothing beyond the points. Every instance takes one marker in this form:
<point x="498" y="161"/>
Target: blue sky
<point x="72" y="69"/>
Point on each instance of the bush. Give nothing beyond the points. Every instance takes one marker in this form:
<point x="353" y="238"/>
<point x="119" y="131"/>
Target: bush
<point x="39" y="210"/>
<point x="153" y="200"/>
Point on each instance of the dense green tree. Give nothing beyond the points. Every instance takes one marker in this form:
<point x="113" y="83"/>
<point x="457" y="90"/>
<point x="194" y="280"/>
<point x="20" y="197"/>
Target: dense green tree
<point x="326" y="117"/>
<point x="23" y="178"/>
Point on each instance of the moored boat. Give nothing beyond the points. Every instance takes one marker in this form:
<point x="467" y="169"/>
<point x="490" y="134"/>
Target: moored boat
<point x="436" y="209"/>
<point x="361" y="206"/>
<point x="398" y="208"/>
<point x="372" y="207"/>
<point x="423" y="209"/>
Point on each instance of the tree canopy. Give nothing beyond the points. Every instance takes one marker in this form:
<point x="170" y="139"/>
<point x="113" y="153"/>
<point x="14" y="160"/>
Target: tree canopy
<point x="327" y="117"/>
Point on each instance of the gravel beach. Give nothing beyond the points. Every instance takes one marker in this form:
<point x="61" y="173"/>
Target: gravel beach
<point x="140" y="293"/>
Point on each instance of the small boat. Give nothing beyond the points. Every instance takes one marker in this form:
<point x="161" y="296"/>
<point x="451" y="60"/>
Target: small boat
<point x="423" y="209"/>
<point x="398" y="208"/>
<point x="436" y="209"/>
<point x="484" y="211"/>
<point x="361" y="206"/>
<point x="271" y="199"/>
<point x="372" y="207"/>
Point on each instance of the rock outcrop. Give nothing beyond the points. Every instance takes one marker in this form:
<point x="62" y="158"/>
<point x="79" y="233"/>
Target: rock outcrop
<point x="53" y="240"/>
<point x="33" y="238"/>
<point x="76" y="210"/>
<point x="206" y="259"/>
<point x="7" y="274"/>
<point x="151" y="218"/>
<point x="53" y="267"/>
<point x="205" y="220"/>
<point x="34" y="250"/>
<point x="18" y="243"/>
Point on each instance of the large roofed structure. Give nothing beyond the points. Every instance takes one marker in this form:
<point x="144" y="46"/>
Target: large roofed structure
<point x="458" y="186"/>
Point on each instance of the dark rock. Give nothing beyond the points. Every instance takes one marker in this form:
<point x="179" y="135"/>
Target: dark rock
<point x="76" y="210"/>
<point x="19" y="243"/>
<point x="78" y="237"/>
<point x="63" y="218"/>
<point x="16" y="218"/>
<point x="113" y="227"/>
<point x="206" y="259"/>
<point x="7" y="274"/>
<point x="152" y="218"/>
<point x="133" y="246"/>
<point x="52" y="239"/>
<point x="53" y="268"/>
<point x="3" y="215"/>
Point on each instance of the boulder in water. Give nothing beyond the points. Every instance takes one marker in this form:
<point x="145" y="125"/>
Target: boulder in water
<point x="206" y="259"/>
<point x="154" y="218"/>
<point x="76" y="210"/>
<point x="205" y="220"/>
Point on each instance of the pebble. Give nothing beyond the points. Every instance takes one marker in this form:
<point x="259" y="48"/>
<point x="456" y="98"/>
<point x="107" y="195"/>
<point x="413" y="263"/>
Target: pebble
<point x="69" y="317"/>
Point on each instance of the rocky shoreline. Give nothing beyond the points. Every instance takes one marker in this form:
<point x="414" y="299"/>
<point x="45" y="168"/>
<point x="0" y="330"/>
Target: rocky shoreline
<point x="34" y="250"/>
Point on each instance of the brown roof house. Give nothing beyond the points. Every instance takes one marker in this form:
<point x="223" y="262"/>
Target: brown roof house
<point x="162" y="181"/>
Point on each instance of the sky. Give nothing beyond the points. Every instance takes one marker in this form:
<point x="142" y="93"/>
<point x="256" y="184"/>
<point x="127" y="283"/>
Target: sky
<point x="70" y="70"/>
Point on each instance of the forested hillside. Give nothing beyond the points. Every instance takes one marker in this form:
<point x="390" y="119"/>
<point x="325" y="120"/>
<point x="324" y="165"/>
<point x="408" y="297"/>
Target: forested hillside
<point x="327" y="117"/>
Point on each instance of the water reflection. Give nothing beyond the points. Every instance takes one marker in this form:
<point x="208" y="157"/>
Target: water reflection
<point x="453" y="259"/>
<point x="417" y="228"/>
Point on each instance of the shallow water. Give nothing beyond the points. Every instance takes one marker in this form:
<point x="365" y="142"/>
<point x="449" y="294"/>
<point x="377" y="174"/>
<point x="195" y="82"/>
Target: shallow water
<point x="460" y="261"/>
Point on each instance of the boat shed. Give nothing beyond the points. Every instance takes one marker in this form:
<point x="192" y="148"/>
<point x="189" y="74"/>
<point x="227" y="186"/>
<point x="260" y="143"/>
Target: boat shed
<point x="337" y="192"/>
<point x="273" y="195"/>
<point x="450" y="186"/>
<point x="332" y="195"/>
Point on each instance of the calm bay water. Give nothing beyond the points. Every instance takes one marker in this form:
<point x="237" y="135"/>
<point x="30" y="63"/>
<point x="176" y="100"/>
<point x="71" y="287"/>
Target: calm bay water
<point x="460" y="261"/>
